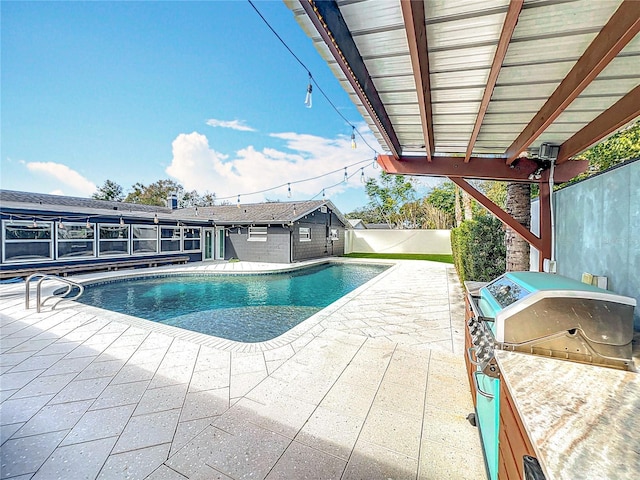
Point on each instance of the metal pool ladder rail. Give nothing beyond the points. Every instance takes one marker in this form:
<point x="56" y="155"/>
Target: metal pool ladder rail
<point x="60" y="296"/>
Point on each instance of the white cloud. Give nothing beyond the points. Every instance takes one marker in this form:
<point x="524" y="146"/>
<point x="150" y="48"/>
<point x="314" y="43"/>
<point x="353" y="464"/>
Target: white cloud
<point x="198" y="166"/>
<point x="64" y="175"/>
<point x="232" y="124"/>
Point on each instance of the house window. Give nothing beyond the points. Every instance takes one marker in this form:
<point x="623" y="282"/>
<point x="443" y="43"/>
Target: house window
<point x="334" y="235"/>
<point x="305" y="234"/>
<point x="191" y="239"/>
<point x="113" y="240"/>
<point x="170" y="239"/>
<point x="26" y="241"/>
<point x="76" y="240"/>
<point x="257" y="234"/>
<point x="145" y="239"/>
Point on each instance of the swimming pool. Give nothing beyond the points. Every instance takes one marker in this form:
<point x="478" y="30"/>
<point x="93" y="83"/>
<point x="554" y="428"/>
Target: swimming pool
<point x="243" y="308"/>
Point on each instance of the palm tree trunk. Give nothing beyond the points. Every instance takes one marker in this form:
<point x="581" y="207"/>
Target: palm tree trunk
<point x="519" y="207"/>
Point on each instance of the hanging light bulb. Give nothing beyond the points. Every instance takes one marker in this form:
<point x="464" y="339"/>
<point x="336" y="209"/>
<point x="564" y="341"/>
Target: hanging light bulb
<point x="10" y="219"/>
<point x="238" y="201"/>
<point x="346" y="177"/>
<point x="35" y="224"/>
<point x="375" y="162"/>
<point x="88" y="225"/>
<point x="60" y="224"/>
<point x="362" y="180"/>
<point x="196" y="211"/>
<point x="288" y="190"/>
<point x="323" y="196"/>
<point x="307" y="100"/>
<point x="294" y="208"/>
<point x="121" y="220"/>
<point x="353" y="137"/>
<point x="155" y="219"/>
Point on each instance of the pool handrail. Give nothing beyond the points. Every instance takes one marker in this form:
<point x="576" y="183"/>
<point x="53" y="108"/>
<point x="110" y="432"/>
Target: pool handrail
<point x="60" y="297"/>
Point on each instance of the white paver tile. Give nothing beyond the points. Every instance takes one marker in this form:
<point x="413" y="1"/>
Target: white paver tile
<point x="53" y="418"/>
<point x="44" y="385"/>
<point x="15" y="381"/>
<point x="21" y="409"/>
<point x="79" y="461"/>
<point x="148" y="430"/>
<point x="26" y="455"/>
<point x="134" y="464"/>
<point x="81" y="390"/>
<point x="7" y="431"/>
<point x="96" y="424"/>
<point x="160" y="399"/>
<point x="442" y="463"/>
<point x="392" y="430"/>
<point x="371" y="461"/>
<point x="304" y="463"/>
<point x="205" y="403"/>
<point x="121" y="394"/>
<point x="187" y="431"/>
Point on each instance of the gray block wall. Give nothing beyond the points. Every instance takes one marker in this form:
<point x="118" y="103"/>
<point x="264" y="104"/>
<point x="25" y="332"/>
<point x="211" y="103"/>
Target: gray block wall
<point x="274" y="250"/>
<point x="598" y="230"/>
<point x="319" y="246"/>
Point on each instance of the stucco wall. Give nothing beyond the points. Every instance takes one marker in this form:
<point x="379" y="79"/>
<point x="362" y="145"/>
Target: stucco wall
<point x="398" y="241"/>
<point x="598" y="230"/>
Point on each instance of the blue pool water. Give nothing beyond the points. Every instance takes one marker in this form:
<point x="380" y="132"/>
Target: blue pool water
<point x="244" y="308"/>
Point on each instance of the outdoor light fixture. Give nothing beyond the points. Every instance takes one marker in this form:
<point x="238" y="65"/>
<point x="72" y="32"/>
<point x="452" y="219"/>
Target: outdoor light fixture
<point x="121" y="221"/>
<point x="238" y="201"/>
<point x="362" y="175"/>
<point x="35" y="224"/>
<point x="288" y="190"/>
<point x="308" y="100"/>
<point x="346" y="177"/>
<point x="294" y="208"/>
<point x="60" y="224"/>
<point x="323" y="196"/>
<point x="549" y="151"/>
<point x="155" y="218"/>
<point x="88" y="225"/>
<point x="196" y="211"/>
<point x="353" y="138"/>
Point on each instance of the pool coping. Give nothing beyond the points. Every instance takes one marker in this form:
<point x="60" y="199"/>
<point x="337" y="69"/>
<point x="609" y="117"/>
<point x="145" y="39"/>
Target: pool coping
<point x="309" y="325"/>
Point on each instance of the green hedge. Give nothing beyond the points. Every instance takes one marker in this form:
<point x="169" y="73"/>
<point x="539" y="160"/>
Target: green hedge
<point x="478" y="249"/>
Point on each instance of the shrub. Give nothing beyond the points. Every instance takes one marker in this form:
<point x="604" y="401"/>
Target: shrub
<point x="478" y="249"/>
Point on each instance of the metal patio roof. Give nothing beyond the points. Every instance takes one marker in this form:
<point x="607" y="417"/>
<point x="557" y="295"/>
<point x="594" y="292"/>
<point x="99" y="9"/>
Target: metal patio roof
<point x="470" y="88"/>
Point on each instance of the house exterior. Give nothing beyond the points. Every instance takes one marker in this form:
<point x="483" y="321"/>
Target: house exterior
<point x="279" y="232"/>
<point x="59" y="234"/>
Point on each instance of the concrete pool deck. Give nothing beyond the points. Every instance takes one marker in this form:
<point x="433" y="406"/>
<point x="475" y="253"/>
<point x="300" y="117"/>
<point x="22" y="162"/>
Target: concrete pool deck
<point x="372" y="387"/>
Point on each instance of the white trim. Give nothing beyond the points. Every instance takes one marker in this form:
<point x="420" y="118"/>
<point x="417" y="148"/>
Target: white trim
<point x="257" y="234"/>
<point x="50" y="241"/>
<point x="114" y="226"/>
<point x="304" y="236"/>
<point x="59" y="241"/>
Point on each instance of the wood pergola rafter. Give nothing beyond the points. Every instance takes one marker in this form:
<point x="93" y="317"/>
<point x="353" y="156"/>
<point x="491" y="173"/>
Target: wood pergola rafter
<point x="328" y="21"/>
<point x="510" y="22"/>
<point x="415" y="25"/>
<point x="616" y="116"/>
<point x="621" y="28"/>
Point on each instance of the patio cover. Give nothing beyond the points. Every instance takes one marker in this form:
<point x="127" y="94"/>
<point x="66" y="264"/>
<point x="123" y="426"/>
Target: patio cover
<point x="470" y="89"/>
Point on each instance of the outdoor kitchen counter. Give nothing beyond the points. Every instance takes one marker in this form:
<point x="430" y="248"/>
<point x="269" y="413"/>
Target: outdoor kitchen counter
<point x="582" y="420"/>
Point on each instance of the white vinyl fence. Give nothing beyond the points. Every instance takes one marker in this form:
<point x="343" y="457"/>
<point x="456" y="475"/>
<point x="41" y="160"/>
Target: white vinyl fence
<point x="398" y="241"/>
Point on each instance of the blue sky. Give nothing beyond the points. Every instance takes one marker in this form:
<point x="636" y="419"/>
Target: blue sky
<point x="199" y="92"/>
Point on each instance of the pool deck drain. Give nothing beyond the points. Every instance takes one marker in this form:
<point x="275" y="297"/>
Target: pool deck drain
<point x="374" y="387"/>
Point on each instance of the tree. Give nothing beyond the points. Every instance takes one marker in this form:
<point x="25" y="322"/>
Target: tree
<point x="110" y="190"/>
<point x="389" y="196"/>
<point x="519" y="207"/>
<point x="154" y="194"/>
<point x="621" y="146"/>
<point x="444" y="198"/>
<point x="366" y="214"/>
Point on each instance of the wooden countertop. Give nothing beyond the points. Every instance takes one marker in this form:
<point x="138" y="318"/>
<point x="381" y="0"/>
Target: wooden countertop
<point x="582" y="420"/>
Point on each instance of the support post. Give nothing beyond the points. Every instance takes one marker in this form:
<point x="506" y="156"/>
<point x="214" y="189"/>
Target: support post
<point x="545" y="225"/>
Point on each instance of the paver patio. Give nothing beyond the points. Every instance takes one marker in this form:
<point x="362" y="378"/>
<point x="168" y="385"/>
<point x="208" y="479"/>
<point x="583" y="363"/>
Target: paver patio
<point x="372" y="387"/>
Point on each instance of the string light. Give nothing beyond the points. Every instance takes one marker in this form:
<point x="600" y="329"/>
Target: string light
<point x="60" y="224"/>
<point x="294" y="208"/>
<point x="353" y="137"/>
<point x="288" y="190"/>
<point x="155" y="219"/>
<point x="197" y="212"/>
<point x="308" y="102"/>
<point x="35" y="224"/>
<point x="121" y="221"/>
<point x="238" y="201"/>
<point x="88" y="225"/>
<point x="362" y="180"/>
<point x="346" y="176"/>
<point x="323" y="195"/>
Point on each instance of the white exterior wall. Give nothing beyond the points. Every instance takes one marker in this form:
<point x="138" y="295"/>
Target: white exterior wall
<point x="398" y="241"/>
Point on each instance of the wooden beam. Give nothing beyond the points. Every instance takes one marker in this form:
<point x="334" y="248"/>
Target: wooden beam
<point x="328" y="21"/>
<point x="503" y="216"/>
<point x="621" y="28"/>
<point x="479" y="168"/>
<point x="619" y="114"/>
<point x="416" y="29"/>
<point x="508" y="27"/>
